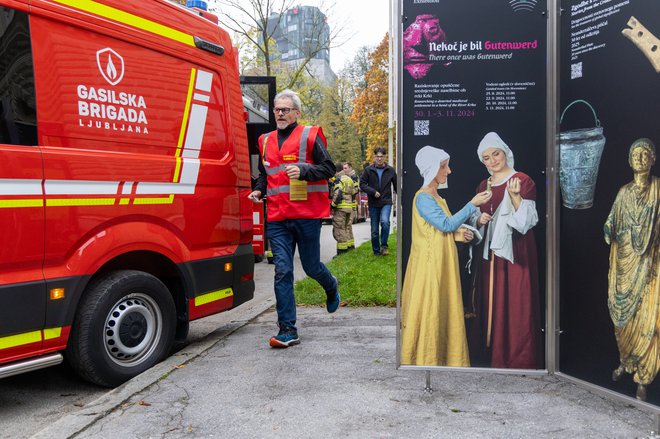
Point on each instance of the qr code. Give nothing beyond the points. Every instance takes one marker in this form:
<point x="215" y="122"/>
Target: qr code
<point x="421" y="127"/>
<point x="576" y="70"/>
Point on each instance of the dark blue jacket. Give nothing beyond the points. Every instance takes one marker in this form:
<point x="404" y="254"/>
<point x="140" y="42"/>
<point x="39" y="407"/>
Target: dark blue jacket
<point x="369" y="185"/>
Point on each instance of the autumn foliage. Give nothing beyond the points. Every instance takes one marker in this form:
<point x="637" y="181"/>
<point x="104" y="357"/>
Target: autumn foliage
<point x="370" y="112"/>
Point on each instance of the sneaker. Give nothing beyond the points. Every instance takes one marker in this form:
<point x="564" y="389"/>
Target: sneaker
<point x="385" y="251"/>
<point x="285" y="339"/>
<point x="332" y="302"/>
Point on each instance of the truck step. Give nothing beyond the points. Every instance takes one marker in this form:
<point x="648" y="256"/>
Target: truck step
<point x="30" y="364"/>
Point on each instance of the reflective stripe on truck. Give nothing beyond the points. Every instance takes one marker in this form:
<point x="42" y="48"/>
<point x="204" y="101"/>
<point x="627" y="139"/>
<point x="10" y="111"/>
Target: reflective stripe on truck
<point x="126" y="18"/>
<point x="186" y="170"/>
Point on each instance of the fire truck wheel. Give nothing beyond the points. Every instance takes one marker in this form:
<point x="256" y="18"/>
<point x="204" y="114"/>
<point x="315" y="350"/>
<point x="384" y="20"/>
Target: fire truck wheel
<point x="125" y="324"/>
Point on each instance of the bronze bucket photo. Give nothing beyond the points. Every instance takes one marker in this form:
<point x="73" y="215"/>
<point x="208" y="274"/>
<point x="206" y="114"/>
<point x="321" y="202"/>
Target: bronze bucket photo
<point x="579" y="157"/>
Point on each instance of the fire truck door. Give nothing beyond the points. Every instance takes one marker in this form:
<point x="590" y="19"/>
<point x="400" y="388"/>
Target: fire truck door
<point x="22" y="295"/>
<point x="22" y="288"/>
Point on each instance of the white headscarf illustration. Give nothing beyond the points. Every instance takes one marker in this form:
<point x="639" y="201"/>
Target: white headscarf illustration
<point x="492" y="140"/>
<point x="428" y="160"/>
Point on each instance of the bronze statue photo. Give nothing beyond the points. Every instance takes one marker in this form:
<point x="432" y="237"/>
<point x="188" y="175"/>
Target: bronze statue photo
<point x="632" y="229"/>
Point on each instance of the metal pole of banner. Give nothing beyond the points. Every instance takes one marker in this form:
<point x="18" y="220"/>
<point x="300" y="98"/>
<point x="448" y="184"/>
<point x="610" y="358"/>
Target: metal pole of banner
<point x="396" y="108"/>
<point x="392" y="88"/>
<point x="656" y="433"/>
<point x="428" y="388"/>
<point x="393" y="38"/>
<point x="552" y="160"/>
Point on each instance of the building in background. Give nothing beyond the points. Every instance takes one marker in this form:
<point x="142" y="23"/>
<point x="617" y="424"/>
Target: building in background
<point x="301" y="32"/>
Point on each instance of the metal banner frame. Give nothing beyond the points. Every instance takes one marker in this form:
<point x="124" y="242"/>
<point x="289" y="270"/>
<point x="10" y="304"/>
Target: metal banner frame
<point x="552" y="241"/>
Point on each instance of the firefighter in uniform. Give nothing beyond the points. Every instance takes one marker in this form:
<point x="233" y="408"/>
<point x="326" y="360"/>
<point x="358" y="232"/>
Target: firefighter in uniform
<point x="294" y="170"/>
<point x="343" y="203"/>
<point x="348" y="170"/>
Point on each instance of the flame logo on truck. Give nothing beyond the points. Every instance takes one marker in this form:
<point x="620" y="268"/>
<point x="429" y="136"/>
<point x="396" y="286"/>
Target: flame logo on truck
<point x="111" y="65"/>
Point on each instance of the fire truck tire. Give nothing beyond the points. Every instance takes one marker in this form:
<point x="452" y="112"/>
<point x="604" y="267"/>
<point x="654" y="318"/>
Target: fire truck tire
<point x="125" y="324"/>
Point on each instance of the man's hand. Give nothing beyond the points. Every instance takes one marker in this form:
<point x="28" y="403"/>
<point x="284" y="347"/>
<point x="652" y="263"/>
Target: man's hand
<point x="377" y="194"/>
<point x="293" y="172"/>
<point x="255" y="196"/>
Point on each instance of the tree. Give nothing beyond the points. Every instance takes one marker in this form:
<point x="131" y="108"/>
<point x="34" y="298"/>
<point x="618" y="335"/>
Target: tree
<point x="257" y="22"/>
<point x="355" y="72"/>
<point x="248" y="20"/>
<point x="370" y="112"/>
<point x="343" y="142"/>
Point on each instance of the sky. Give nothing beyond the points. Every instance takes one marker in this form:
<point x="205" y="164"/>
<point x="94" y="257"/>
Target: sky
<point x="366" y="23"/>
<point x="359" y="30"/>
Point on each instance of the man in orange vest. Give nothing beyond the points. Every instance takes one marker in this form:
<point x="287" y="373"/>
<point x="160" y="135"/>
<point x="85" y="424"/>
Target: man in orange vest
<point x="293" y="172"/>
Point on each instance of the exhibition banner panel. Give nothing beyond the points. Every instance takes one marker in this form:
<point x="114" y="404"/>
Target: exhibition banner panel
<point x="610" y="214"/>
<point x="473" y="102"/>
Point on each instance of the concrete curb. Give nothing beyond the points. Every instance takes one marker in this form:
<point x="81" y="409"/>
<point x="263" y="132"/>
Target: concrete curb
<point x="70" y="425"/>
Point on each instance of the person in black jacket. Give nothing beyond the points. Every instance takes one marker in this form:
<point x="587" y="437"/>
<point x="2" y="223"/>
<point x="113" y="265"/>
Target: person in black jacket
<point x="377" y="182"/>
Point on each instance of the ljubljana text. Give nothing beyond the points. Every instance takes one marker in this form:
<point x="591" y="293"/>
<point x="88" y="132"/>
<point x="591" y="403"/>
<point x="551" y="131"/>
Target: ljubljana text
<point x="110" y="110"/>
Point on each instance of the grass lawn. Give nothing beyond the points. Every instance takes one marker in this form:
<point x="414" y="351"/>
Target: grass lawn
<point x="364" y="279"/>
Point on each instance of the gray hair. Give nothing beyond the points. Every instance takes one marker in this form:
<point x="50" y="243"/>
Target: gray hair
<point x="289" y="94"/>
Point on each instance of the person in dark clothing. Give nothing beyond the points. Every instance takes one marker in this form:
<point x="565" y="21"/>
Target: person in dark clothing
<point x="377" y="182"/>
<point x="294" y="170"/>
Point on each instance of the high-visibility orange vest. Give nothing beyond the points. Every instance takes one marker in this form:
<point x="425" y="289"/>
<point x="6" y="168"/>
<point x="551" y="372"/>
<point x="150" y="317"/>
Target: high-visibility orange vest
<point x="297" y="149"/>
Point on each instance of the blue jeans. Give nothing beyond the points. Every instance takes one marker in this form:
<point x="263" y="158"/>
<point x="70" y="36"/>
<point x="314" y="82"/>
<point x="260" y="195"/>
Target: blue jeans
<point x="284" y="236"/>
<point x="380" y="216"/>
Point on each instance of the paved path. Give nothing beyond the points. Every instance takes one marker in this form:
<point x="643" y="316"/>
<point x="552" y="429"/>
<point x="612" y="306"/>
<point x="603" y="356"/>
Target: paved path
<point x="341" y="381"/>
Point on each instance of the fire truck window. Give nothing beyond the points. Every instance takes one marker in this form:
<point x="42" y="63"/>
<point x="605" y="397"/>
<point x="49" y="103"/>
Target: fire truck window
<point x="255" y="102"/>
<point x="18" y="115"/>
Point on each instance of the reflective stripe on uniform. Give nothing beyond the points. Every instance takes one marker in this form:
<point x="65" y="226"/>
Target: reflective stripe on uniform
<point x="270" y="170"/>
<point x="263" y="152"/>
<point x="287" y="189"/>
<point x="273" y="171"/>
<point x="302" y="153"/>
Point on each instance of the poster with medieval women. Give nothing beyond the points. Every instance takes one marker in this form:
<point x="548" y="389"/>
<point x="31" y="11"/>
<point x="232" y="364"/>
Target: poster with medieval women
<point x="474" y="87"/>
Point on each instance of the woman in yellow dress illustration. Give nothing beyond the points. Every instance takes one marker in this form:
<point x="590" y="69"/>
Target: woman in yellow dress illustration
<point x="432" y="323"/>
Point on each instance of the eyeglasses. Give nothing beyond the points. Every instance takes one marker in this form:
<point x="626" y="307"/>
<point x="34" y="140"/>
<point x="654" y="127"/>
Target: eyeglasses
<point x="380" y="156"/>
<point x="283" y="110"/>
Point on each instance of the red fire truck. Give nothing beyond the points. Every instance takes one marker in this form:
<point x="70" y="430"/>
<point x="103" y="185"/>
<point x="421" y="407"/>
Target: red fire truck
<point x="125" y="173"/>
